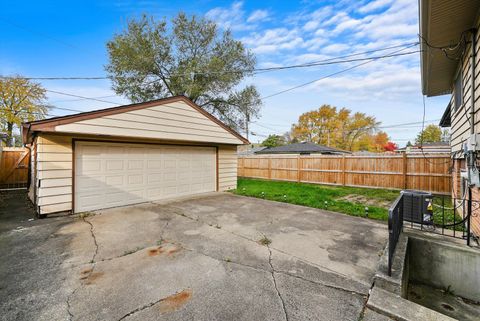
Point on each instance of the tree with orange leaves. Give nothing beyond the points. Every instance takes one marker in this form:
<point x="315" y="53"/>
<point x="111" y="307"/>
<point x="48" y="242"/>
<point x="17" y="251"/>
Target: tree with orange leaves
<point x="337" y="128"/>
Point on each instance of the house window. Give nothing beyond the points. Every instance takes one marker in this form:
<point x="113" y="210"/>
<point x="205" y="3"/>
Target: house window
<point x="458" y="94"/>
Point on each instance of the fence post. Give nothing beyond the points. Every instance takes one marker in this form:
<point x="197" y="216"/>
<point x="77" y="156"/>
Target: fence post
<point x="343" y="170"/>
<point x="405" y="165"/>
<point x="269" y="168"/>
<point x="299" y="167"/>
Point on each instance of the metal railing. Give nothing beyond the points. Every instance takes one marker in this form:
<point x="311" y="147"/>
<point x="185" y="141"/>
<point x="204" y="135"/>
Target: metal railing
<point x="395" y="226"/>
<point x="446" y="215"/>
<point x="451" y="217"/>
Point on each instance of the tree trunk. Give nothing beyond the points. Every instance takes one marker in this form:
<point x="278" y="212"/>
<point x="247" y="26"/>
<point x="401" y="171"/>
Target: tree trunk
<point x="9" y="134"/>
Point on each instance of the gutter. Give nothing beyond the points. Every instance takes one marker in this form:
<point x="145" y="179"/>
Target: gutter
<point x="472" y="79"/>
<point x="25" y="133"/>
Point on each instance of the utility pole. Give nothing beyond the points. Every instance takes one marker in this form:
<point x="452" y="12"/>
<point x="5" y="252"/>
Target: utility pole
<point x="247" y="120"/>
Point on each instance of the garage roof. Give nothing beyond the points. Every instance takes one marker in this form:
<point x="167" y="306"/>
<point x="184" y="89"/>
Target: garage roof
<point x="67" y="123"/>
<point x="441" y="24"/>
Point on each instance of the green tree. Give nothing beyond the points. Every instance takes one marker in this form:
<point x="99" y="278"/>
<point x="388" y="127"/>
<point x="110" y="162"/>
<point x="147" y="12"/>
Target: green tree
<point x="274" y="141"/>
<point x="190" y="57"/>
<point x="431" y="134"/>
<point x="20" y="100"/>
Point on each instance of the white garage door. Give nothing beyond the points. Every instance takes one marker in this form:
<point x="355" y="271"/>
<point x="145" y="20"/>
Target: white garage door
<point x="113" y="174"/>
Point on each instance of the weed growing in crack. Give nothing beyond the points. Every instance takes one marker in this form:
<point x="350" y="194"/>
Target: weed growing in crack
<point x="265" y="241"/>
<point x="448" y="290"/>
<point x="138" y="248"/>
<point x="85" y="214"/>
<point x="159" y="242"/>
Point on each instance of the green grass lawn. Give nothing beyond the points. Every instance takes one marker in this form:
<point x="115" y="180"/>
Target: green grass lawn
<point x="348" y="200"/>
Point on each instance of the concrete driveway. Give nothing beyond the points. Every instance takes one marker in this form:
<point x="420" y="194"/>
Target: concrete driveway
<point x="194" y="259"/>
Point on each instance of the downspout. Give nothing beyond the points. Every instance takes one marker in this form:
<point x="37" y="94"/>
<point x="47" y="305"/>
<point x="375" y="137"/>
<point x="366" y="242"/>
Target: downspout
<point x="472" y="153"/>
<point x="472" y="80"/>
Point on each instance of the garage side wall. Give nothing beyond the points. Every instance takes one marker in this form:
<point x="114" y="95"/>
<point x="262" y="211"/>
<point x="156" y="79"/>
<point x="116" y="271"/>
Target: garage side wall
<point x="54" y="173"/>
<point x="227" y="168"/>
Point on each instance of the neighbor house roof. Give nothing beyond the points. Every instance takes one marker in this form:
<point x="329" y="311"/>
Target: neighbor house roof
<point x="48" y="124"/>
<point x="442" y="23"/>
<point x="302" y="148"/>
<point x="446" y="120"/>
<point x="435" y="147"/>
<point x="250" y="151"/>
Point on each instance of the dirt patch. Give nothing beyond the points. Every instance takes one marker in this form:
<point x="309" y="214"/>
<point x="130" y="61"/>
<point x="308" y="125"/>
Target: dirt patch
<point x="93" y="277"/>
<point x="84" y="273"/>
<point x="175" y="301"/>
<point x="360" y="199"/>
<point x="156" y="251"/>
<point x="173" y="250"/>
<point x="169" y="249"/>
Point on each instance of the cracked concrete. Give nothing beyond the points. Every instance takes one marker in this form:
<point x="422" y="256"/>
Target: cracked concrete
<point x="275" y="283"/>
<point x="191" y="259"/>
<point x="86" y="273"/>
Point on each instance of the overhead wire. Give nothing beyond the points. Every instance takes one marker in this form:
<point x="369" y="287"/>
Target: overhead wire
<point x="332" y="74"/>
<point x="331" y="61"/>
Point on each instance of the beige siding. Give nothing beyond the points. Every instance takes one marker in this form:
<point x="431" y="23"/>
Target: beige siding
<point x="54" y="171"/>
<point x="227" y="168"/>
<point x="33" y="172"/>
<point x="460" y="129"/>
<point x="174" y="121"/>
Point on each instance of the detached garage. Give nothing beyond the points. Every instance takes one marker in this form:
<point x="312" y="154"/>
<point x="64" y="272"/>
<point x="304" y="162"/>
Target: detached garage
<point x="129" y="154"/>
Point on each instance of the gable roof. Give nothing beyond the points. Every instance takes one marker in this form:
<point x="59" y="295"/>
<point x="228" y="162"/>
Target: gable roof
<point x="47" y="124"/>
<point x="302" y="148"/>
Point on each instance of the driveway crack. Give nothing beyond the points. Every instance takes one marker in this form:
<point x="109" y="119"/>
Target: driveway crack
<point x="92" y="261"/>
<point x="146" y="306"/>
<point x="275" y="282"/>
<point x="328" y="285"/>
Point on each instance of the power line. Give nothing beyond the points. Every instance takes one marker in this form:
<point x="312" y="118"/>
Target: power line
<point x="385" y="126"/>
<point x="331" y="61"/>
<point x="83" y="97"/>
<point x="80" y="99"/>
<point x="335" y="73"/>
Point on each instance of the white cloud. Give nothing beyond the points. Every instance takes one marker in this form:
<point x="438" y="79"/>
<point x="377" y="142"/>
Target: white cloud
<point x="258" y="15"/>
<point x="229" y="18"/>
<point x="272" y="40"/>
<point x="388" y="82"/>
<point x="335" y="48"/>
<point x="311" y="25"/>
<point x="374" y="5"/>
<point x="399" y="20"/>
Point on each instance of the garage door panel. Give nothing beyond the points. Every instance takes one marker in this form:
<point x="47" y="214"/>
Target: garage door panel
<point x="109" y="174"/>
<point x="170" y="164"/>
<point x="114" y="164"/>
<point x="135" y="164"/>
<point x="114" y="180"/>
<point x="154" y="178"/>
<point x="135" y="179"/>
<point x="89" y="165"/>
<point x="87" y="183"/>
<point x="116" y="151"/>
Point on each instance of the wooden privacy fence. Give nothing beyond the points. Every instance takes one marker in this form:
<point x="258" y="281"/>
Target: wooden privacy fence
<point x="14" y="167"/>
<point x="426" y="173"/>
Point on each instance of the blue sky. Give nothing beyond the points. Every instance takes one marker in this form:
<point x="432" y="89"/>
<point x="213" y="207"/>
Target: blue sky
<point x="53" y="38"/>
